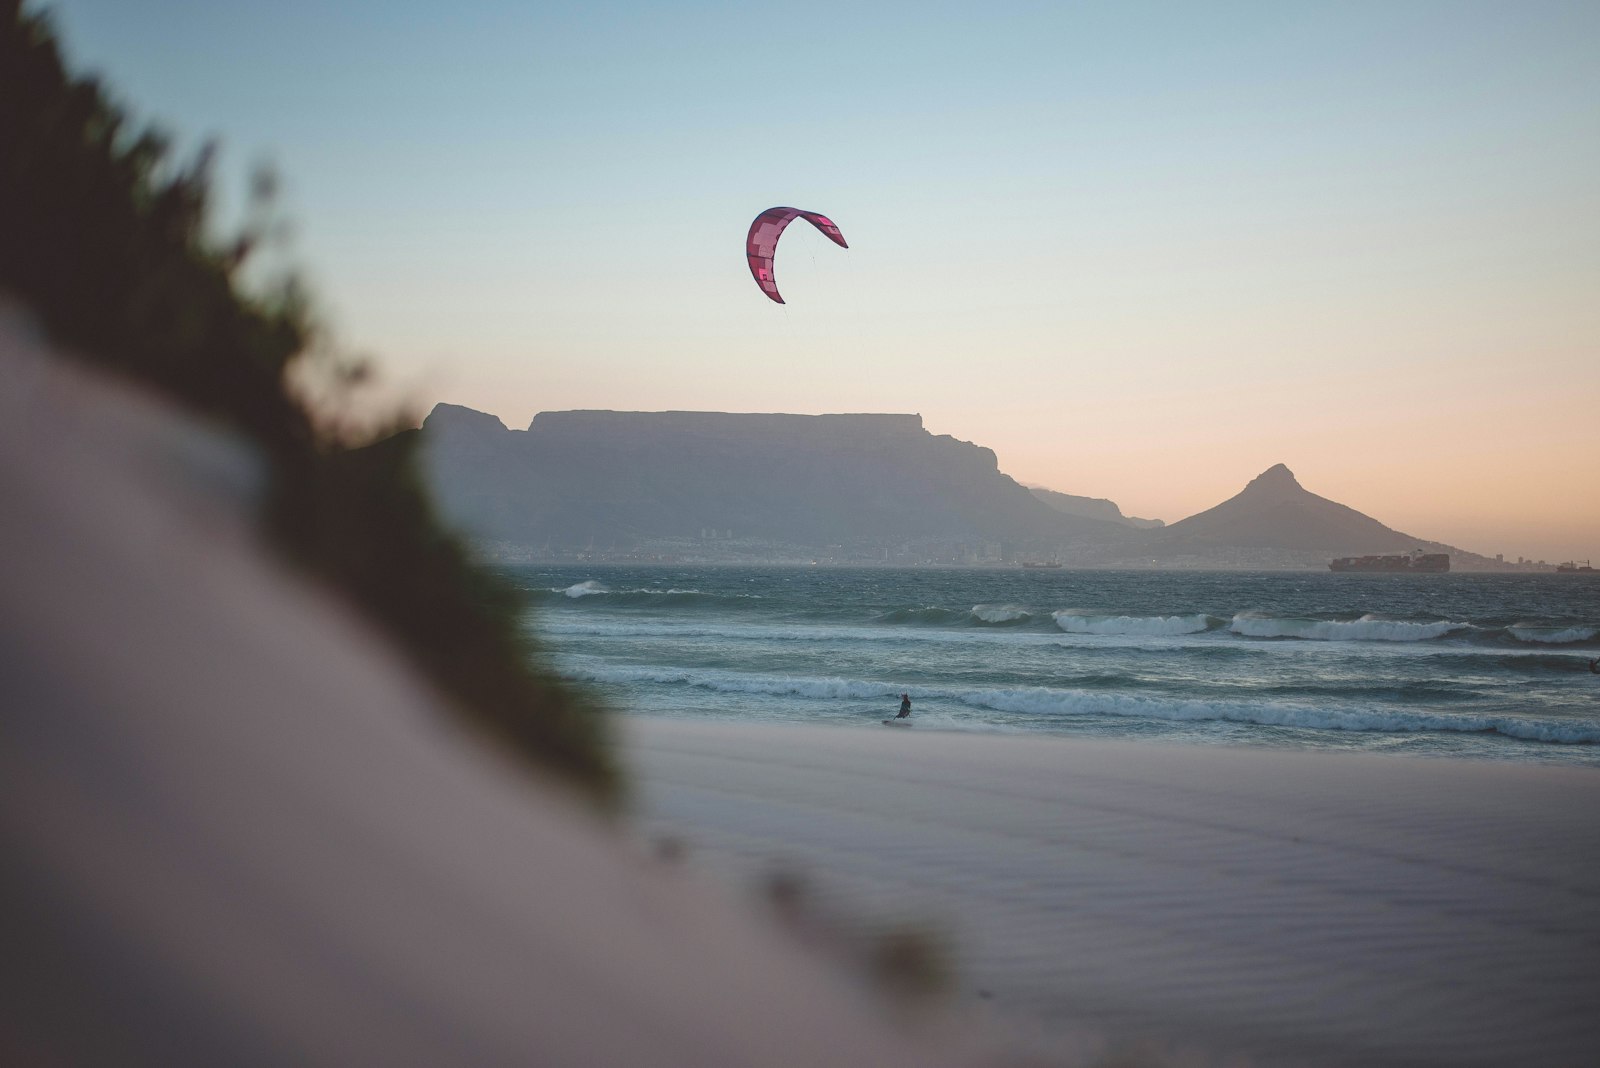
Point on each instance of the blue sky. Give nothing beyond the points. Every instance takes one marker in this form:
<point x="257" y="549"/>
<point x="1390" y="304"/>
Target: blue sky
<point x="1112" y="241"/>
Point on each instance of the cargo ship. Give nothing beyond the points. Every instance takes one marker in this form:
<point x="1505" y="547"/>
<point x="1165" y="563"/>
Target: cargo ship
<point x="1414" y="561"/>
<point x="1572" y="567"/>
<point x="1032" y="565"/>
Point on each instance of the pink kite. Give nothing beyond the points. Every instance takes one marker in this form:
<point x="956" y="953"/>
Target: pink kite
<point x="761" y="244"/>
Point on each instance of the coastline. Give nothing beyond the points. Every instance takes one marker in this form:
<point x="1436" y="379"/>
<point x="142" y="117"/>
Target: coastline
<point x="1276" y="906"/>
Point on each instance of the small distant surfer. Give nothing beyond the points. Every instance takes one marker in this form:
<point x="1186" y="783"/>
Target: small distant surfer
<point x="905" y="704"/>
<point x="1594" y="666"/>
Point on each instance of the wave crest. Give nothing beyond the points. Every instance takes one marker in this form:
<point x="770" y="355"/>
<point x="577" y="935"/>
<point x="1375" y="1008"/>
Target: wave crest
<point x="1000" y="613"/>
<point x="1073" y="621"/>
<point x="1544" y="634"/>
<point x="641" y="596"/>
<point x="927" y="615"/>
<point x="1368" y="628"/>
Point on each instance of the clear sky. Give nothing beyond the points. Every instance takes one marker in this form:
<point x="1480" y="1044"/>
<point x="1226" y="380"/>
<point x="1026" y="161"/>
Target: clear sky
<point x="1142" y="250"/>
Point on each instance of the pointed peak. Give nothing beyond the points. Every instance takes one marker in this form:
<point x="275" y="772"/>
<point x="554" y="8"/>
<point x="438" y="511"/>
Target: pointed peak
<point x="1275" y="478"/>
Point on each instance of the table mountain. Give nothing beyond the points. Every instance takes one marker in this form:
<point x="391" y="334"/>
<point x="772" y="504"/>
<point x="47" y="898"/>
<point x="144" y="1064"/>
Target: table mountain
<point x="573" y="476"/>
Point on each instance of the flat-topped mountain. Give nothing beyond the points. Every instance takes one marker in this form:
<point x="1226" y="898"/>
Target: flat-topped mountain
<point x="579" y="476"/>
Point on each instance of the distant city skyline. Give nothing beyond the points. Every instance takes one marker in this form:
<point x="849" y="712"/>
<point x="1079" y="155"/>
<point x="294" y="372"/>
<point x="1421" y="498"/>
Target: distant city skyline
<point x="1143" y="252"/>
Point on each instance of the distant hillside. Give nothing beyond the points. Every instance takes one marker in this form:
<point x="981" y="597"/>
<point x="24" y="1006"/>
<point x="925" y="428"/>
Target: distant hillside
<point x="608" y="477"/>
<point x="1276" y="522"/>
<point x="1275" y="511"/>
<point x="853" y="487"/>
<point x="1091" y="508"/>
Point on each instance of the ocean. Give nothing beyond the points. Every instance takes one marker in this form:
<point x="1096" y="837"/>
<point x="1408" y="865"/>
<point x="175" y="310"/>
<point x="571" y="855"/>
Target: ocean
<point x="1493" y="666"/>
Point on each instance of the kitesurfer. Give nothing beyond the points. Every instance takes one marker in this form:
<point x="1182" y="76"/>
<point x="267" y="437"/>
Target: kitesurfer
<point x="905" y="705"/>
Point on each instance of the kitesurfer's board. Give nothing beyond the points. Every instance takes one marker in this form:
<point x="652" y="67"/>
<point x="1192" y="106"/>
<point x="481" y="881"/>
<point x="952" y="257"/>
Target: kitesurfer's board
<point x="897" y="723"/>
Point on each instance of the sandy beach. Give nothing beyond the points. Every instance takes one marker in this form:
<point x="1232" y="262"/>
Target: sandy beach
<point x="1227" y="905"/>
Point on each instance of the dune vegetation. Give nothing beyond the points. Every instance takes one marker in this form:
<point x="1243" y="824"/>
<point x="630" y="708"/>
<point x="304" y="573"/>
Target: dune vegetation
<point x="108" y="243"/>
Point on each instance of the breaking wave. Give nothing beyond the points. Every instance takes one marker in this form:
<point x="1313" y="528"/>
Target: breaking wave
<point x="600" y="593"/>
<point x="1015" y="617"/>
<point x="1368" y="628"/>
<point x="997" y="614"/>
<point x="1552" y="635"/>
<point x="1074" y="621"/>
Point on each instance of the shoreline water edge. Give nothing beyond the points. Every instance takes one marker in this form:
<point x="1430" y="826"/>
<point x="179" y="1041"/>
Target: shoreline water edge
<point x="1483" y="666"/>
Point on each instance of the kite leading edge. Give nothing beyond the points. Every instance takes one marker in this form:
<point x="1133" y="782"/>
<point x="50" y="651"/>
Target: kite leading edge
<point x="761" y="244"/>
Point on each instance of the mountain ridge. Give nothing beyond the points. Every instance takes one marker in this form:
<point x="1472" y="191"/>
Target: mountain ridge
<point x="862" y="487"/>
<point x="627" y="477"/>
<point x="1091" y="507"/>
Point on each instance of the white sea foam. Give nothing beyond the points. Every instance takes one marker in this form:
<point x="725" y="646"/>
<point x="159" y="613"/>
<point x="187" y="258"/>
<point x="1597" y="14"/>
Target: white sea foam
<point x="999" y="613"/>
<point x="584" y="589"/>
<point x="594" y="588"/>
<point x="1533" y="632"/>
<point x="1366" y="629"/>
<point x="1077" y="622"/>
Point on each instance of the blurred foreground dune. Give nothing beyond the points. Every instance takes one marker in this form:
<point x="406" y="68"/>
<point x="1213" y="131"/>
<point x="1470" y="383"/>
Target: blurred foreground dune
<point x="236" y="828"/>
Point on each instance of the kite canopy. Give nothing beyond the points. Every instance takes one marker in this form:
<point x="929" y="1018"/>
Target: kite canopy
<point x="761" y="244"/>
